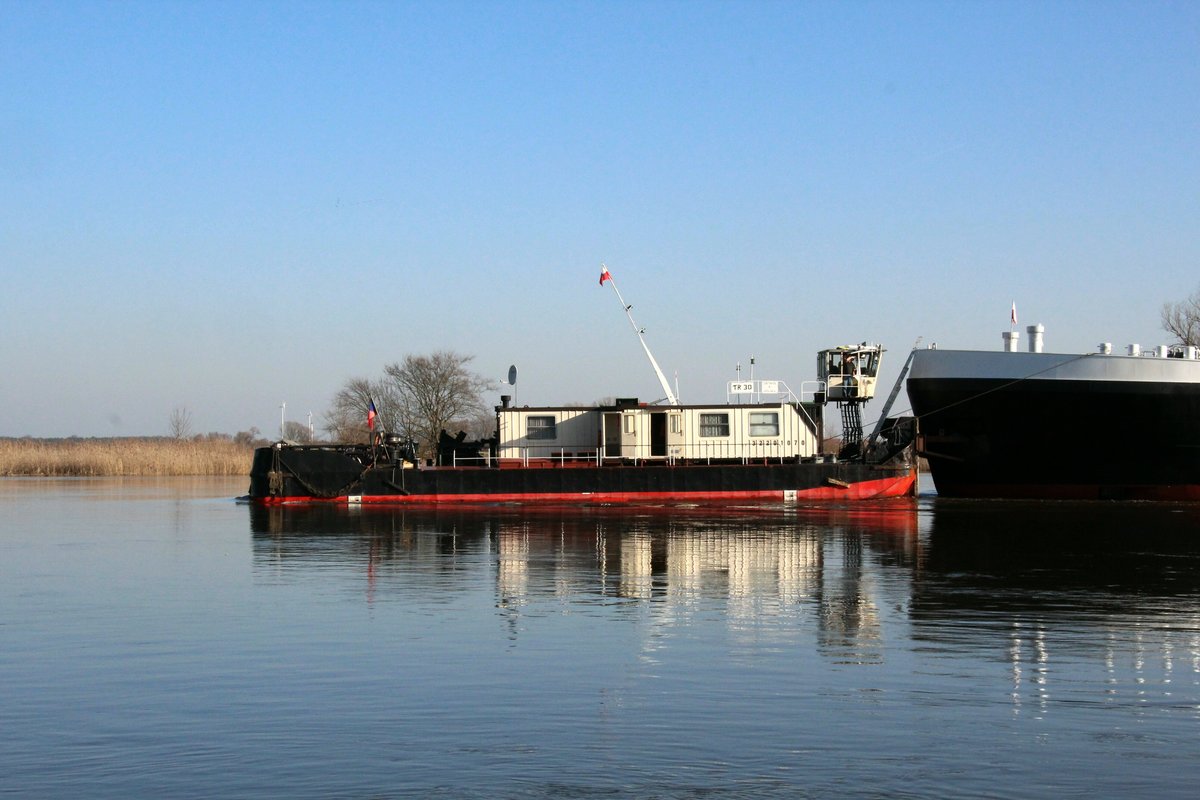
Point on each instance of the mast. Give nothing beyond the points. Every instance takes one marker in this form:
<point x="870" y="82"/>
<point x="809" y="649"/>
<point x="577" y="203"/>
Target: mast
<point x="662" y="379"/>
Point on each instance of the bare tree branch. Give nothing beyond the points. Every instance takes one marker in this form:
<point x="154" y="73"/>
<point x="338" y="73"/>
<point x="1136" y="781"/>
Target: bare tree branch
<point x="346" y="420"/>
<point x="435" y="392"/>
<point x="180" y="423"/>
<point x="416" y="398"/>
<point x="1182" y="320"/>
<point x="295" y="431"/>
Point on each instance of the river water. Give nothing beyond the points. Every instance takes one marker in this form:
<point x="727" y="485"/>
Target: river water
<point x="159" y="639"/>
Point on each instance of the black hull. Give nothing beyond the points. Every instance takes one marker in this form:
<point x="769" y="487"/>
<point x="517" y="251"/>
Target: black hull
<point x="1066" y="439"/>
<point x="298" y="474"/>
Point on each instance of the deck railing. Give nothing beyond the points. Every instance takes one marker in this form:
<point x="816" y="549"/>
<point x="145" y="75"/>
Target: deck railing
<point x="753" y="451"/>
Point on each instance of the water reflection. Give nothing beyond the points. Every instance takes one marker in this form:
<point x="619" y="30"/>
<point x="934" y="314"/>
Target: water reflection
<point x="160" y="640"/>
<point x="956" y="557"/>
<point x="1094" y="603"/>
<point x="1033" y="583"/>
<point x="756" y="561"/>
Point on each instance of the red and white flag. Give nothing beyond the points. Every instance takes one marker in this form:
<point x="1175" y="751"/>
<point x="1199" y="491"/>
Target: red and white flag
<point x="604" y="276"/>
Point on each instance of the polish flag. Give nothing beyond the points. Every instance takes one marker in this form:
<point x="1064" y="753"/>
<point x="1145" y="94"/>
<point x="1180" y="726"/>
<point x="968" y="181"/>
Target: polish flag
<point x="371" y="415"/>
<point x="604" y="276"/>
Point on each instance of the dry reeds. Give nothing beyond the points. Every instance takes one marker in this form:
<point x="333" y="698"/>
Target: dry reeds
<point x="126" y="456"/>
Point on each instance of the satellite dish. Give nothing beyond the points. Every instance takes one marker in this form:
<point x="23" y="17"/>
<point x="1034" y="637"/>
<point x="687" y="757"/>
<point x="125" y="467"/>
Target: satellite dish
<point x="512" y="375"/>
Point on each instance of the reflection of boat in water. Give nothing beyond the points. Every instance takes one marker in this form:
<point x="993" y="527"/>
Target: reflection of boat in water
<point x="333" y="519"/>
<point x="756" y="561"/>
<point x="1055" y="590"/>
<point x="1058" y="558"/>
<point x="948" y="555"/>
<point x="1086" y="603"/>
<point x="626" y="452"/>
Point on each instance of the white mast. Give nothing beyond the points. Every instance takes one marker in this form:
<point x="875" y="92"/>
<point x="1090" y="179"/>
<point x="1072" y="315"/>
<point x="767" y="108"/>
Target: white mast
<point x="662" y="379"/>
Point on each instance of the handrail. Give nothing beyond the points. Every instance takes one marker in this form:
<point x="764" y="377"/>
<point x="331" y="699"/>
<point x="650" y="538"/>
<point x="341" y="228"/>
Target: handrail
<point x="754" y="450"/>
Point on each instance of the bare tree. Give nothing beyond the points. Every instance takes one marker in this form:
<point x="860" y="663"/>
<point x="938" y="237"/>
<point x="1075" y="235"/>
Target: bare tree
<point x="1182" y="320"/>
<point x="250" y="438"/>
<point x="481" y="425"/>
<point x="180" y="423"/>
<point x="416" y="398"/>
<point x="297" y="432"/>
<point x="346" y="420"/>
<point x="435" y="392"/>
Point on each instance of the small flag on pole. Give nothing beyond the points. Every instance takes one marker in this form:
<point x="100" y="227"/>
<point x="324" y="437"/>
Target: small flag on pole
<point x="604" y="276"/>
<point x="371" y="414"/>
<point x="1014" y="312"/>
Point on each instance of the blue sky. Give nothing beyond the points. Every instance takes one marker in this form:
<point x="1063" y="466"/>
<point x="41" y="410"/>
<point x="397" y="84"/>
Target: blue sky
<point x="225" y="206"/>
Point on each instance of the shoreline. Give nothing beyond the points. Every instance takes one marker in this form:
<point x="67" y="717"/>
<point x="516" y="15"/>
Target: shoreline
<point x="132" y="456"/>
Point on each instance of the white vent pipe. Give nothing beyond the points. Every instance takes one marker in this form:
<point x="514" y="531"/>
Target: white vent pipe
<point x="1035" y="337"/>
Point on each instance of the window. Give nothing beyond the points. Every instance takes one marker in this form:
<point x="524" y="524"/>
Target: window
<point x="540" y="428"/>
<point x="764" y="423"/>
<point x="676" y="423"/>
<point x="714" y="424"/>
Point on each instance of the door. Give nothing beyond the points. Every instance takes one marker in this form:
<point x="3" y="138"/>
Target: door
<point x="658" y="434"/>
<point x="612" y="435"/>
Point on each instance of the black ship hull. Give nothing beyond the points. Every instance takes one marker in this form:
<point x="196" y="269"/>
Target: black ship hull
<point x="352" y="474"/>
<point x="1016" y="425"/>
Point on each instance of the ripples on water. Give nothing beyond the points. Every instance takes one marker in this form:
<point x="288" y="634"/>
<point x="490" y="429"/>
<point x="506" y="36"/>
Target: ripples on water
<point x="160" y="640"/>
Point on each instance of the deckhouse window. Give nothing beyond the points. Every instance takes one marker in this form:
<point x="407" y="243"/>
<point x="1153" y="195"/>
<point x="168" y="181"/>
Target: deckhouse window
<point x="714" y="424"/>
<point x="540" y="428"/>
<point x="764" y="423"/>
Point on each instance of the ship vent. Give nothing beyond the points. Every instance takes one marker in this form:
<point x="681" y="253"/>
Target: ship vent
<point x="1035" y="337"/>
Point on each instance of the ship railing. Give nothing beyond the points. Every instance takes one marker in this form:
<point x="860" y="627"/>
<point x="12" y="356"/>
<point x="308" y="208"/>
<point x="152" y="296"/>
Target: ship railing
<point x="811" y="391"/>
<point x="753" y="451"/>
<point x="485" y="460"/>
<point x="759" y="390"/>
<point x="559" y="455"/>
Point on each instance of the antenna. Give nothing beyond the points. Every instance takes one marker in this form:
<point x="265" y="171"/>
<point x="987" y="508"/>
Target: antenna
<point x="662" y="379"/>
<point x="511" y="379"/>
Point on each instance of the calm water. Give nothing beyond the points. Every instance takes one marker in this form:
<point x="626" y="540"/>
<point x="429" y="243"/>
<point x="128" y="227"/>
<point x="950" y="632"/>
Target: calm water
<point x="159" y="639"/>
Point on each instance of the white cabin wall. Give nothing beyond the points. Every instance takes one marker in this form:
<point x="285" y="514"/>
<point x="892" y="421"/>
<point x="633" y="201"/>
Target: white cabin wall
<point x="579" y="431"/>
<point x="575" y="429"/>
<point x="796" y="437"/>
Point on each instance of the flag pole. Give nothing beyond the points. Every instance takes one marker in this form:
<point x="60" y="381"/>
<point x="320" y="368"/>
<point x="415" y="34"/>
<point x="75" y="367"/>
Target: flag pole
<point x="662" y="379"/>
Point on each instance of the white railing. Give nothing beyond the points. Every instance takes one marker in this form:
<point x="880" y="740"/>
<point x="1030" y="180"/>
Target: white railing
<point x="758" y="389"/>
<point x="809" y="390"/>
<point x="754" y="450"/>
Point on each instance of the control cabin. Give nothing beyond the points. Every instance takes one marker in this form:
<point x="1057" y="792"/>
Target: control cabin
<point x="849" y="372"/>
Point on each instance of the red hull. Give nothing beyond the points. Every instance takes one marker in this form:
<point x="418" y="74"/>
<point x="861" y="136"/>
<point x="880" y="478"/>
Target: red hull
<point x="879" y="489"/>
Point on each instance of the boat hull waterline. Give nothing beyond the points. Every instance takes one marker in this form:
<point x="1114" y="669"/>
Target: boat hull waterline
<point x="582" y="484"/>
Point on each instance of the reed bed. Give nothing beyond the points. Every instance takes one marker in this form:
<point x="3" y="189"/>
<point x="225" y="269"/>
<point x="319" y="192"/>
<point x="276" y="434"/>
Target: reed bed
<point x="128" y="456"/>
